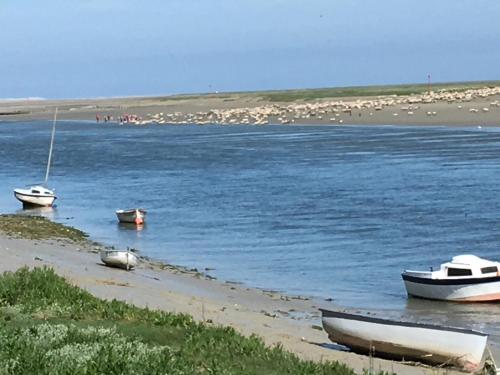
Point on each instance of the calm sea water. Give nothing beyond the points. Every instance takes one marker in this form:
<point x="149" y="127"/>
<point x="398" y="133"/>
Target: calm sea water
<point x="332" y="212"/>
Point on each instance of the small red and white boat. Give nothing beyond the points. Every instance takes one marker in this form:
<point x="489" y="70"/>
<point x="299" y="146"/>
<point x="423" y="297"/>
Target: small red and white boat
<point x="134" y="215"/>
<point x="467" y="278"/>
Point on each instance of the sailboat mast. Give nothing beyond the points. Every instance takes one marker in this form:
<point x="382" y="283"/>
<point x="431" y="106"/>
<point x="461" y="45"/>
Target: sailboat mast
<point x="51" y="145"/>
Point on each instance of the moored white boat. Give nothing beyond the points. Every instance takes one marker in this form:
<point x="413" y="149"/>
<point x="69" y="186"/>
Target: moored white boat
<point x="40" y="195"/>
<point x="467" y="278"/>
<point x="427" y="343"/>
<point x="36" y="196"/>
<point x="119" y="258"/>
<point x="134" y="215"/>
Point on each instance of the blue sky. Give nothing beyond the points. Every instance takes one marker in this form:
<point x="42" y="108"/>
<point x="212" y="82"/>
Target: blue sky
<point x="96" y="48"/>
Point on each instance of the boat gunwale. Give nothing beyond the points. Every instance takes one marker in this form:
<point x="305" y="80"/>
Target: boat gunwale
<point x="458" y="281"/>
<point x="35" y="195"/>
<point x="342" y="315"/>
<point x="120" y="251"/>
<point x="131" y="211"/>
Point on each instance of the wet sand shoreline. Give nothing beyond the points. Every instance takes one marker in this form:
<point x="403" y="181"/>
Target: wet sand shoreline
<point x="291" y="321"/>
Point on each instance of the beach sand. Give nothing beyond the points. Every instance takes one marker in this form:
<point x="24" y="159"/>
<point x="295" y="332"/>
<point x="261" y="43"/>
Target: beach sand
<point x="287" y="320"/>
<point x="479" y="108"/>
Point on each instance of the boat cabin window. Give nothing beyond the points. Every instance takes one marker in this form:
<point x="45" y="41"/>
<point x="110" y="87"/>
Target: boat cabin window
<point x="35" y="191"/>
<point x="47" y="193"/>
<point x="489" y="269"/>
<point x="459" y="272"/>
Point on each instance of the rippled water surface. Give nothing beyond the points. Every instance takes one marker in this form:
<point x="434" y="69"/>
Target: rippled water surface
<point x="329" y="211"/>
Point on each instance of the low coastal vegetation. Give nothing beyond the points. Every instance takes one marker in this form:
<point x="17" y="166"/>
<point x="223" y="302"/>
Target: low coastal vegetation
<point x="337" y="92"/>
<point x="38" y="228"/>
<point x="12" y="113"/>
<point x="48" y="326"/>
<point x="363" y="91"/>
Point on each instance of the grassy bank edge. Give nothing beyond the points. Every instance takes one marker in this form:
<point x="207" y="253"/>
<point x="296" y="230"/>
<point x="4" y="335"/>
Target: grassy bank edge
<point x="43" y="317"/>
<point x="38" y="228"/>
<point x="309" y="94"/>
<point x="37" y="305"/>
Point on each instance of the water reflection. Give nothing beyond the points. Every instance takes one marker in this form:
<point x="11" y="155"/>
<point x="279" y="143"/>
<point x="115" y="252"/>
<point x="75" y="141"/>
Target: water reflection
<point x="47" y="212"/>
<point x="131" y="226"/>
<point x="481" y="316"/>
<point x="131" y="230"/>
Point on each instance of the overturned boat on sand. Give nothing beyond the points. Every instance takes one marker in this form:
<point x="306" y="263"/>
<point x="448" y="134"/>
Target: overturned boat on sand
<point x="125" y="259"/>
<point x="426" y="343"/>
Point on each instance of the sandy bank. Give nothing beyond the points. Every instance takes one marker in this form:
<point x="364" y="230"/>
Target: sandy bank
<point x="474" y="107"/>
<point x="290" y="321"/>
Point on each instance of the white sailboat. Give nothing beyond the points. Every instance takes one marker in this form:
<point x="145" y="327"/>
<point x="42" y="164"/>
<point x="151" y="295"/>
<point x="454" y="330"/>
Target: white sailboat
<point x="40" y="195"/>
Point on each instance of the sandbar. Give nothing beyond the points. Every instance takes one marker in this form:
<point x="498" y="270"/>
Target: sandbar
<point x="451" y="105"/>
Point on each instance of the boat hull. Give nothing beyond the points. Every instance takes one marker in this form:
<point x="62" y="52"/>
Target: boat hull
<point x="137" y="216"/>
<point x="409" y="341"/>
<point x="120" y="259"/>
<point x="34" y="199"/>
<point x="465" y="290"/>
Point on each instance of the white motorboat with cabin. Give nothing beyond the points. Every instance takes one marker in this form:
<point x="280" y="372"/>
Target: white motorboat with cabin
<point x="426" y="343"/>
<point x="134" y="215"/>
<point x="126" y="259"/>
<point x="36" y="195"/>
<point x="40" y="195"/>
<point x="467" y="278"/>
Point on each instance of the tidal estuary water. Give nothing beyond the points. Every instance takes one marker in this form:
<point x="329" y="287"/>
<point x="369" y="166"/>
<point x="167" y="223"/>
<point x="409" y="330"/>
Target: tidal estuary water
<point x="326" y="211"/>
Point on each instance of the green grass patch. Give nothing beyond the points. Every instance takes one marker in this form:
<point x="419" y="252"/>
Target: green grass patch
<point x="361" y="91"/>
<point x="48" y="326"/>
<point x="334" y="92"/>
<point x="194" y="97"/>
<point x="12" y="113"/>
<point x="38" y="228"/>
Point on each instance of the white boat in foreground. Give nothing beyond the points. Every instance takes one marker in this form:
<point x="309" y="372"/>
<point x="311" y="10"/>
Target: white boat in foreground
<point x="40" y="195"/>
<point x="119" y="258"/>
<point x="134" y="215"/>
<point x="427" y="343"/>
<point x="467" y="278"/>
